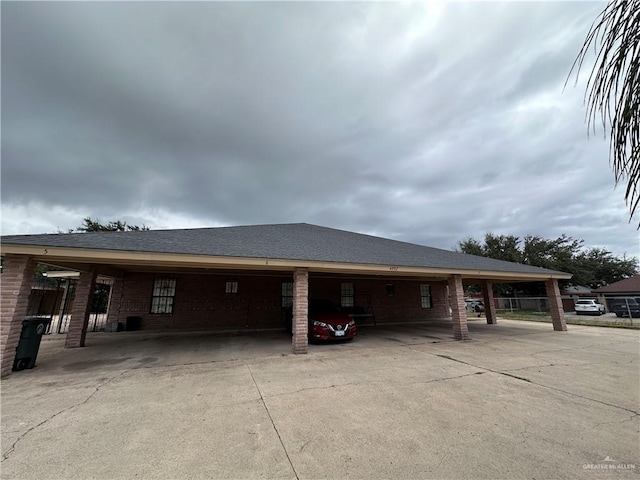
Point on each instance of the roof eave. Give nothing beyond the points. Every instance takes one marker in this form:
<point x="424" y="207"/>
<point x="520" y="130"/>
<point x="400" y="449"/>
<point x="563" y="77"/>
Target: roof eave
<point x="48" y="254"/>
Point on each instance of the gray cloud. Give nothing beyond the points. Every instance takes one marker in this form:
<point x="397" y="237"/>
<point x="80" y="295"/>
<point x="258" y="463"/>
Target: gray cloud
<point x="423" y="122"/>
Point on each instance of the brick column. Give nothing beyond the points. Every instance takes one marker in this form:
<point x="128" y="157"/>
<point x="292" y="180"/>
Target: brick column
<point x="300" y="338"/>
<point x="81" y="310"/>
<point x="67" y="300"/>
<point x="17" y="278"/>
<point x="115" y="299"/>
<point x="458" y="313"/>
<point x="555" y="305"/>
<point x="489" y="303"/>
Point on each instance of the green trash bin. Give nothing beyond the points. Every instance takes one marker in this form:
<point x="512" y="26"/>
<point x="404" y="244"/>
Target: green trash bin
<point x="32" y="330"/>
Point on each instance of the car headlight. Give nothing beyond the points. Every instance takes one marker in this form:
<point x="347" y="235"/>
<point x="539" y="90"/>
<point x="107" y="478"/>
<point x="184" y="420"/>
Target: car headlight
<point x="316" y="323"/>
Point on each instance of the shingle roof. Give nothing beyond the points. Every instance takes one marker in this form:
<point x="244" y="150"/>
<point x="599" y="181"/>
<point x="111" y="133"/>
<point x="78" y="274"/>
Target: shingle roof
<point x="628" y="285"/>
<point x="298" y="241"/>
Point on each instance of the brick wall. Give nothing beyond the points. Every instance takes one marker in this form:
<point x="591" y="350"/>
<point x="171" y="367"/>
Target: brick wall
<point x="201" y="301"/>
<point x="17" y="278"/>
<point x="439" y="301"/>
<point x="404" y="305"/>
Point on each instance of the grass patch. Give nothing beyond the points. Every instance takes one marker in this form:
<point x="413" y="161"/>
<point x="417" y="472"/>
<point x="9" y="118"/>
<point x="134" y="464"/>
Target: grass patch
<point x="532" y="316"/>
<point x="524" y="315"/>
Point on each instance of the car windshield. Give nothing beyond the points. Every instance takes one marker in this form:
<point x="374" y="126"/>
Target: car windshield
<point x="623" y="301"/>
<point x="585" y="302"/>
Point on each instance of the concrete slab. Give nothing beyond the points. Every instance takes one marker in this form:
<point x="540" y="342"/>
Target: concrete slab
<point x="517" y="401"/>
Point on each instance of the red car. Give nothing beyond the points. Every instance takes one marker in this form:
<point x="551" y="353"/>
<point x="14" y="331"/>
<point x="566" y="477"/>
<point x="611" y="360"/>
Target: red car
<point x="328" y="322"/>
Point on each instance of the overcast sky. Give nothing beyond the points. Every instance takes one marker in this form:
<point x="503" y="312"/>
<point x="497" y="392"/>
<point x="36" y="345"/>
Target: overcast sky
<point x="423" y="122"/>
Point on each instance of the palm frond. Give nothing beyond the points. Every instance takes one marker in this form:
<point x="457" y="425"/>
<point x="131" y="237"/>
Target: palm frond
<point x="613" y="90"/>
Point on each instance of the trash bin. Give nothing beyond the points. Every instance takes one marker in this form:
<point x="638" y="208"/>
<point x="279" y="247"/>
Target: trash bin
<point x="113" y="327"/>
<point x="132" y="324"/>
<point x="32" y="330"/>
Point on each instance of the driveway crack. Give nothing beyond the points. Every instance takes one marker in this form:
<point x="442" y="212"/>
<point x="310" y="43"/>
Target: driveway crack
<point x="498" y="372"/>
<point x="272" y="422"/>
<point x="620" y="422"/>
<point x="12" y="448"/>
<point x="352" y="384"/>
<point x="446" y="454"/>
<point x="323" y="387"/>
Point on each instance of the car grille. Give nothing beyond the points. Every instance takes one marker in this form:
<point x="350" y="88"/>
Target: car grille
<point x="334" y="328"/>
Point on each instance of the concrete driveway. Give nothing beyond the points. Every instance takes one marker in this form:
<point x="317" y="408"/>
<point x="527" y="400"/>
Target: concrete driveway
<point x="518" y="401"/>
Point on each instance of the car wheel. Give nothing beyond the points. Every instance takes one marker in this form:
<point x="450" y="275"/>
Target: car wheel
<point x="22" y="364"/>
<point x="618" y="314"/>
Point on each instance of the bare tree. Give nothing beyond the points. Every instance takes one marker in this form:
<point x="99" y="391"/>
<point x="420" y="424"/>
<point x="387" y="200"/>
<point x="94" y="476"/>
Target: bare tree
<point x="613" y="90"/>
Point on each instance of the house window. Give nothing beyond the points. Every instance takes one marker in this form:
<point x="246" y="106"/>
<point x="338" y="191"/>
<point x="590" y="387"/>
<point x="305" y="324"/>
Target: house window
<point x="287" y="294"/>
<point x="231" y="287"/>
<point x="164" y="291"/>
<point x="425" y="296"/>
<point x="346" y="295"/>
<point x="390" y="289"/>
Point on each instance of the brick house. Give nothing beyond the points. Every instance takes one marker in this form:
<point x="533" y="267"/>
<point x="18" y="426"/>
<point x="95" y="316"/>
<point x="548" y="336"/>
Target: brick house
<point x="629" y="287"/>
<point x="255" y="277"/>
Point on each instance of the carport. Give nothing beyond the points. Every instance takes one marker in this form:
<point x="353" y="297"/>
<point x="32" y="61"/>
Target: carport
<point x="247" y="278"/>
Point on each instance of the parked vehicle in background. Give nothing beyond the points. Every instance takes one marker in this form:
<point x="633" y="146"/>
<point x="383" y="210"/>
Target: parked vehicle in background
<point x="473" y="305"/>
<point x="589" y="307"/>
<point x="624" y="306"/>
<point x="328" y="322"/>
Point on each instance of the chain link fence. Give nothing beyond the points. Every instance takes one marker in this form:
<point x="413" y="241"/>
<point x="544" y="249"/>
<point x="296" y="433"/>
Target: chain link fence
<point x="522" y="304"/>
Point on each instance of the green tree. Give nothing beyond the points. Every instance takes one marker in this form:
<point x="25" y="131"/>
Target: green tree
<point x="471" y="246"/>
<point x="501" y="247"/>
<point x="592" y="267"/>
<point x="90" y="225"/>
<point x="554" y="254"/>
<point x="505" y="247"/>
<point x="596" y="267"/>
<point x="613" y="89"/>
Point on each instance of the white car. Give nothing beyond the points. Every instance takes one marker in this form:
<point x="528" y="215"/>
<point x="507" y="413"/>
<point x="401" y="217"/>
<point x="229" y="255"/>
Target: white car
<point x="589" y="307"/>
